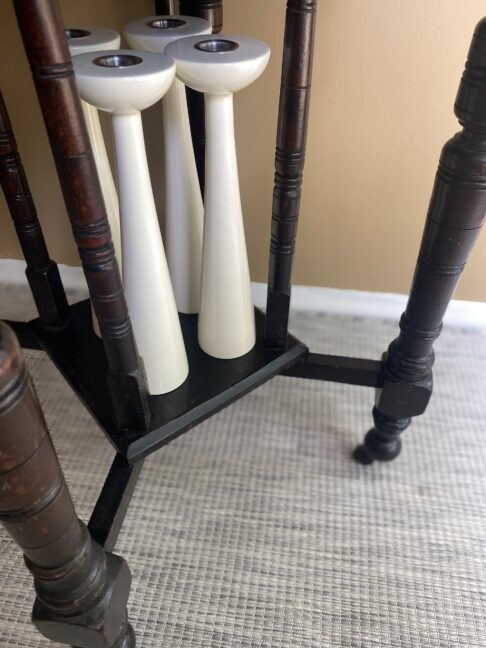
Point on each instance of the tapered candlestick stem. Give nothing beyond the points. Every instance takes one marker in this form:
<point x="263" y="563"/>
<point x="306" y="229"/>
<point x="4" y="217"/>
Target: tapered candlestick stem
<point x="226" y="301"/>
<point x="184" y="211"/>
<point x="145" y="272"/>
<point x="183" y="202"/>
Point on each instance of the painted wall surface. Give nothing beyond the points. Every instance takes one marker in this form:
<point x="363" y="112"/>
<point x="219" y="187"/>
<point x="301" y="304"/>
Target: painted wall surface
<point x="385" y="78"/>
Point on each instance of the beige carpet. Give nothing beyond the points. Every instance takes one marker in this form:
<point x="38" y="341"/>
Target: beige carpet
<point x="257" y="530"/>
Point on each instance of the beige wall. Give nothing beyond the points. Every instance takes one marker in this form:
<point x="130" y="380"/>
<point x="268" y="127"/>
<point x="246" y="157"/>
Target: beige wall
<point x="385" y="78"/>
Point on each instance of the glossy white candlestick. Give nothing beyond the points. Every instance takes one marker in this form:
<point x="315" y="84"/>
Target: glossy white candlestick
<point x="226" y="324"/>
<point x="80" y="41"/>
<point x="184" y="209"/>
<point x="226" y="321"/>
<point x="125" y="91"/>
<point x="146" y="275"/>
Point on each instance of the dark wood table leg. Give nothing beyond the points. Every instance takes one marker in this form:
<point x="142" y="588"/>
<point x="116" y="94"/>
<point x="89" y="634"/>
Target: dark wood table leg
<point x="455" y="217"/>
<point x="82" y="591"/>
<point x="165" y="7"/>
<point x="211" y="10"/>
<point x="289" y="163"/>
<point x="112" y="505"/>
<point x="47" y="50"/>
<point x="42" y="273"/>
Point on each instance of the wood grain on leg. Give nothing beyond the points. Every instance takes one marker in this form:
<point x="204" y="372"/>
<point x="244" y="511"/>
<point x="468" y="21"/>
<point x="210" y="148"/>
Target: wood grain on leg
<point x="456" y="214"/>
<point x="81" y="590"/>
<point x="289" y="163"/>
<point x="48" y="54"/>
<point x="42" y="273"/>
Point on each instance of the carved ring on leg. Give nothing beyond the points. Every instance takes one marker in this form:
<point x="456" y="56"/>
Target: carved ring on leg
<point x="456" y="214"/>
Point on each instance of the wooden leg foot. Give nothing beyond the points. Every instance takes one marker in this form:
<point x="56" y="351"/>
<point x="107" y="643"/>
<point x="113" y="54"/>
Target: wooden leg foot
<point x="128" y="639"/>
<point x="382" y="442"/>
<point x="456" y="215"/>
<point x="82" y="590"/>
<point x="362" y="456"/>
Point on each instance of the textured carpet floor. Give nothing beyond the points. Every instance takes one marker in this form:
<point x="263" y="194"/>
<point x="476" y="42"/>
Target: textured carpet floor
<point x="257" y="530"/>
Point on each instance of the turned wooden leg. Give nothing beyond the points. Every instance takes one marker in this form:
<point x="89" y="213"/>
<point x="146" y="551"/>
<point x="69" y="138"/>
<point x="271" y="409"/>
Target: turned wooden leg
<point x="42" y="273"/>
<point x="165" y="7"/>
<point x="455" y="217"/>
<point x="47" y="51"/>
<point x="293" y="114"/>
<point x="82" y="591"/>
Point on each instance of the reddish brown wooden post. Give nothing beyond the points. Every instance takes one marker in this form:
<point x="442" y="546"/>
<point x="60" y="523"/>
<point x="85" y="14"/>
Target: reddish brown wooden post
<point x="82" y="591"/>
<point x="211" y="10"/>
<point x="289" y="163"/>
<point x="165" y="7"/>
<point x="456" y="214"/>
<point x="42" y="273"/>
<point x="47" y="50"/>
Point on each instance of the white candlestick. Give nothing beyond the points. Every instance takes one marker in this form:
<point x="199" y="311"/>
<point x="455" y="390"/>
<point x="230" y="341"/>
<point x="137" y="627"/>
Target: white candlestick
<point x="184" y="210"/>
<point x="220" y="66"/>
<point x="124" y="83"/>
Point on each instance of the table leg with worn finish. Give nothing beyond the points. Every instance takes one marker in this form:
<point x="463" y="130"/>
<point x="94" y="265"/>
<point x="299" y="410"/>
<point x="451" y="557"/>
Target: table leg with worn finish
<point x="42" y="272"/>
<point x="82" y="591"/>
<point x="45" y="44"/>
<point x="456" y="214"/>
<point x="295" y="89"/>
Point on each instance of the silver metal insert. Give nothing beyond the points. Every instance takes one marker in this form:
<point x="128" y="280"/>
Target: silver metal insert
<point x="118" y="60"/>
<point x="76" y="33"/>
<point x="167" y="23"/>
<point x="216" y="45"/>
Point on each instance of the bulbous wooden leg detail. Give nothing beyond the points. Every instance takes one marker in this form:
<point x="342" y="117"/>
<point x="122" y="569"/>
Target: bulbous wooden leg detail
<point x="382" y="442"/>
<point x="455" y="217"/>
<point x="82" y="591"/>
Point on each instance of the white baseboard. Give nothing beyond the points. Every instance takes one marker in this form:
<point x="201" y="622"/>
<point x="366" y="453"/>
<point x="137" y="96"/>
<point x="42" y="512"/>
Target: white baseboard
<point x="360" y="303"/>
<point x="356" y="303"/>
<point x="12" y="271"/>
